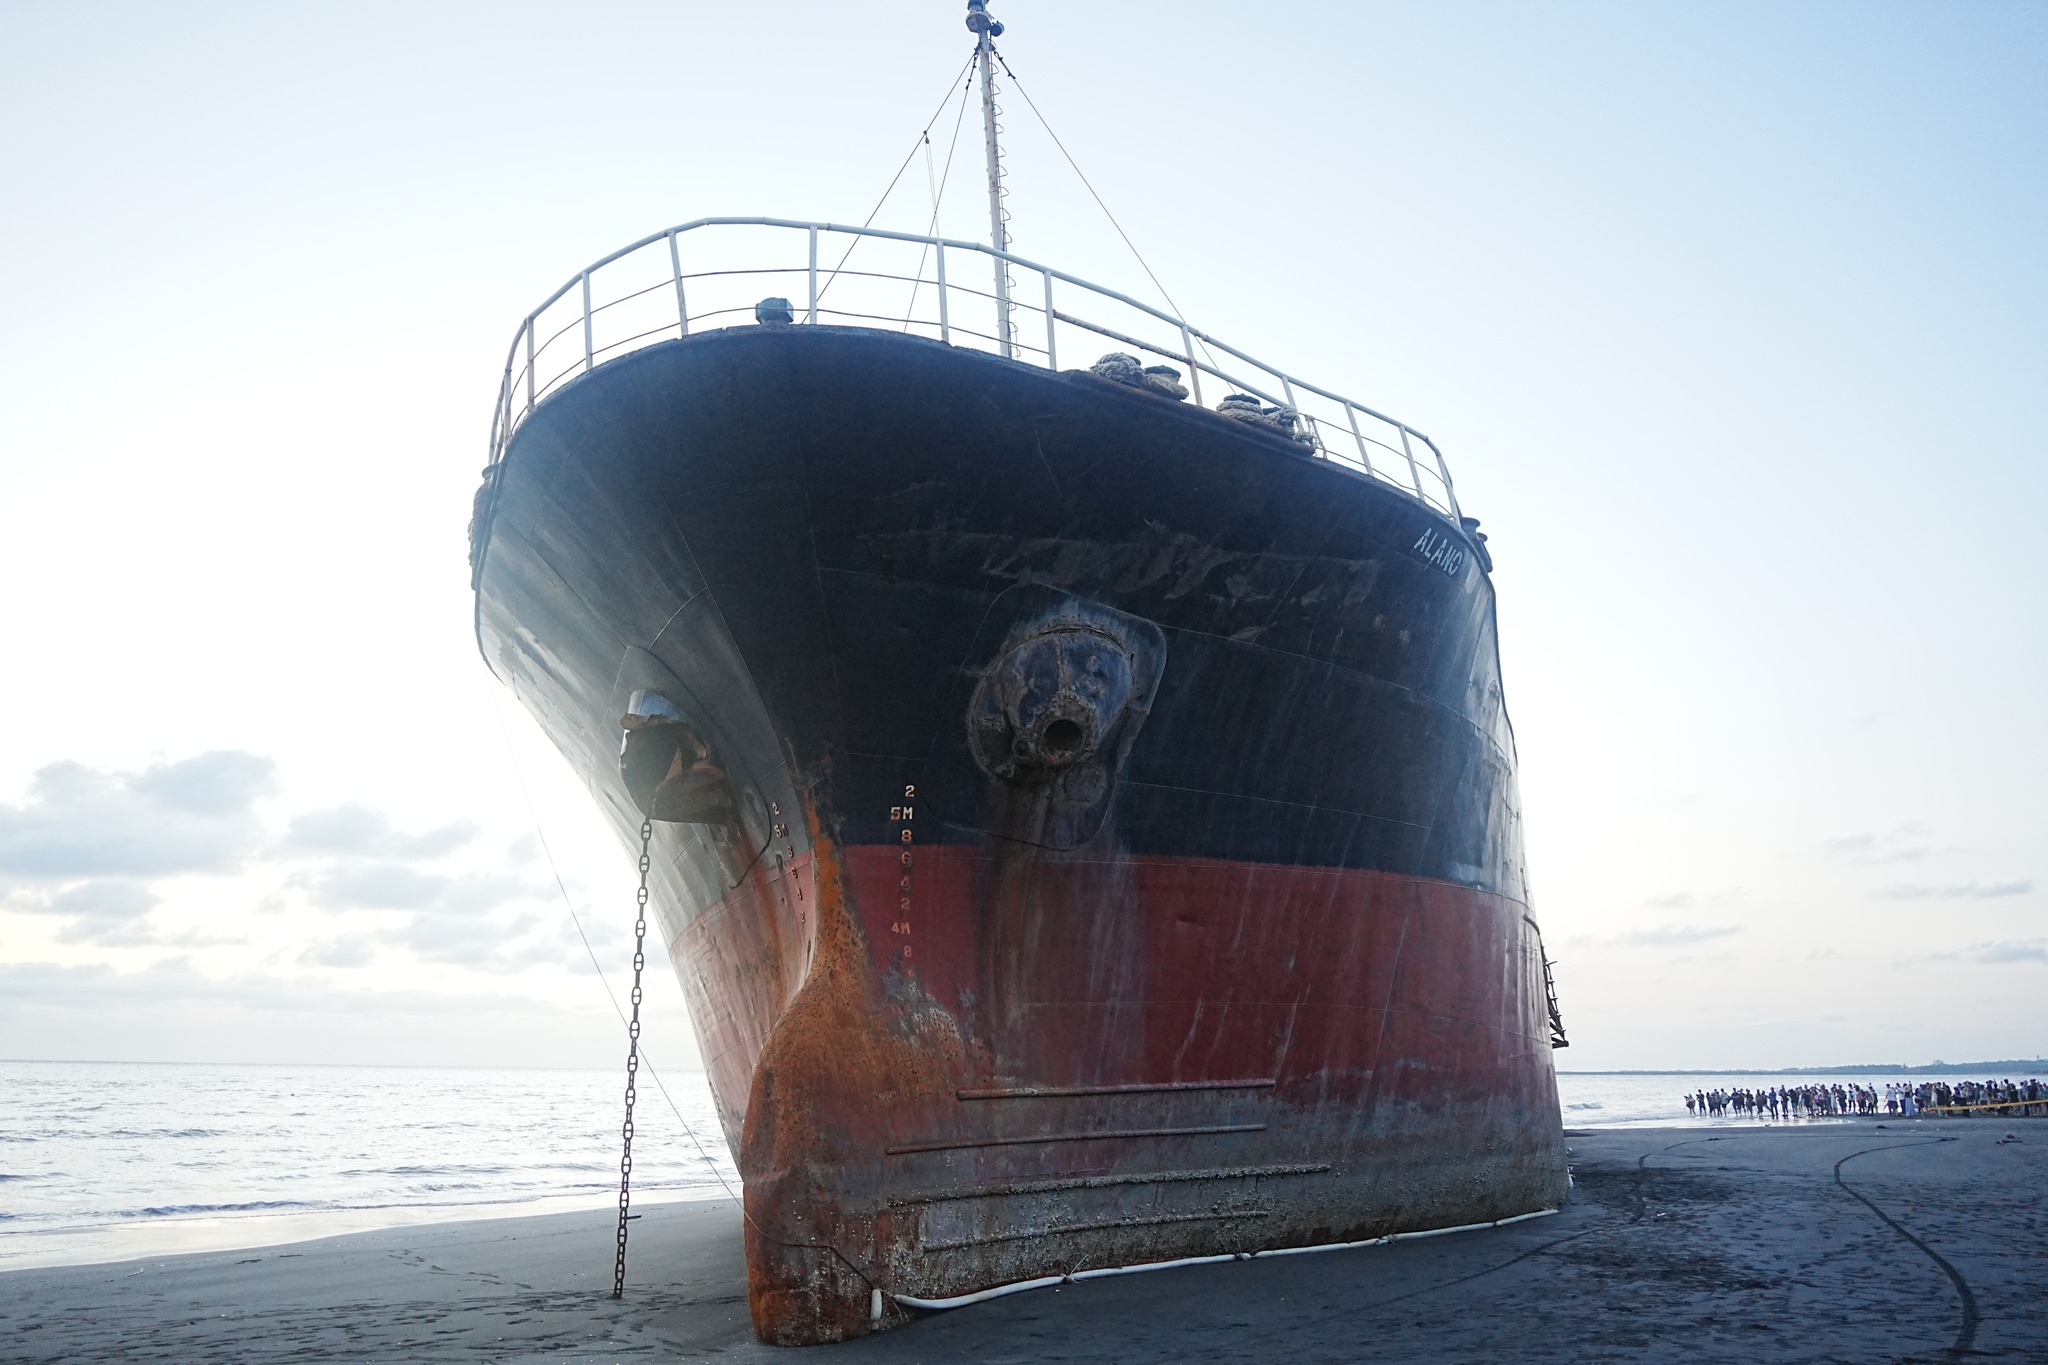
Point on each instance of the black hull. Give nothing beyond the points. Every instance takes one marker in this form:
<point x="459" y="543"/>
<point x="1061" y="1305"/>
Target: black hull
<point x="820" y="542"/>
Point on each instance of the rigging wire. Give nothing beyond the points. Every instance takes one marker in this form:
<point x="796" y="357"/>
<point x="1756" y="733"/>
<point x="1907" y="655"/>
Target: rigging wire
<point x="1086" y="183"/>
<point x="533" y="814"/>
<point x="938" y="196"/>
<point x="923" y="138"/>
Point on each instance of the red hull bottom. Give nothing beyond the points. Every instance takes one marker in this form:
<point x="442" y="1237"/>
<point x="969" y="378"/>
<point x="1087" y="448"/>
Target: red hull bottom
<point x="989" y="1070"/>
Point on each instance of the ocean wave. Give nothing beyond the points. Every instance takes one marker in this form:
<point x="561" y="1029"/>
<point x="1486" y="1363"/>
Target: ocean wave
<point x="138" y="1146"/>
<point x="451" y="1169"/>
<point x="252" y="1206"/>
<point x="162" y="1133"/>
<point x="49" y="1135"/>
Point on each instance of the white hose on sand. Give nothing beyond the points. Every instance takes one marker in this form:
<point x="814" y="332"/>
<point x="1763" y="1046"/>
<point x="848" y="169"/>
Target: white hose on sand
<point x="1043" y="1281"/>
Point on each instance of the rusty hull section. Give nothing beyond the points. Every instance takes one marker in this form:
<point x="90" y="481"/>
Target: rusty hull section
<point x="1270" y="1057"/>
<point x="1123" y="859"/>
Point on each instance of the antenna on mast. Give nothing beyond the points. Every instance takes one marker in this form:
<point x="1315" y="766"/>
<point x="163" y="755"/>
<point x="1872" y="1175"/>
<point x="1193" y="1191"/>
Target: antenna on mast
<point x="986" y="30"/>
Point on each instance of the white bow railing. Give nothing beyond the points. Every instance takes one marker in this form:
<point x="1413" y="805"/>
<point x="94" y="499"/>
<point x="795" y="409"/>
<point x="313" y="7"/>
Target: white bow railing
<point x="710" y="273"/>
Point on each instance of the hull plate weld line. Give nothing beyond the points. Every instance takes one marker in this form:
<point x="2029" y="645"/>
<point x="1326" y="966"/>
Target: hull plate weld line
<point x="1053" y="1092"/>
<point x="1043" y="1281"/>
<point x="1207" y="1130"/>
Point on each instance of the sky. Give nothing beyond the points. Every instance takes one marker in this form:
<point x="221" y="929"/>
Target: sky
<point x="1732" y="321"/>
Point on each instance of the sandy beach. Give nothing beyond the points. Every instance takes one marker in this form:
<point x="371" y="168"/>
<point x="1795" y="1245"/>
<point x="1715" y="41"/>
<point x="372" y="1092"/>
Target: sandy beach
<point x="1677" y="1245"/>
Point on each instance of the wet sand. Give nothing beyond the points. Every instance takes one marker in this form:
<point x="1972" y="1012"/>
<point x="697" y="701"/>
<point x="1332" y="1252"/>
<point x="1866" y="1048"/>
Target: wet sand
<point x="1678" y="1244"/>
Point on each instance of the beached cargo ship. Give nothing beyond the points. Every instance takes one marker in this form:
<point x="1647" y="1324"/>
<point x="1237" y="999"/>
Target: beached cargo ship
<point x="1082" y="815"/>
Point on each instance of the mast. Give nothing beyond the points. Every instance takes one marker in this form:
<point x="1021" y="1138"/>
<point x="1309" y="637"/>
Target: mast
<point x="986" y="30"/>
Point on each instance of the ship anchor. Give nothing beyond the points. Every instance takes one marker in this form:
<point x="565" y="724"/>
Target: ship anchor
<point x="667" y="767"/>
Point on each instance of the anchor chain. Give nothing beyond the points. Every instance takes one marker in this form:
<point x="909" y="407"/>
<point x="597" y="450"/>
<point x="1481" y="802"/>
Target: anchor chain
<point x="632" y="1060"/>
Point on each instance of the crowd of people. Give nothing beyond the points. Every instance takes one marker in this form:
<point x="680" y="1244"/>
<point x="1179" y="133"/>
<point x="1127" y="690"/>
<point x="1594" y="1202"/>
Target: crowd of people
<point x="1899" y="1099"/>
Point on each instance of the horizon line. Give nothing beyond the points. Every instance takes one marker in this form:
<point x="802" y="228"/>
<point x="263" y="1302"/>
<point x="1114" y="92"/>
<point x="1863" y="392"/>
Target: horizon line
<point x="2003" y="1063"/>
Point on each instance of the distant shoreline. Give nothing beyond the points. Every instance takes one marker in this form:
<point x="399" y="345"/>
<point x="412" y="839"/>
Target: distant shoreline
<point x="2033" y="1065"/>
<point x="2028" y="1064"/>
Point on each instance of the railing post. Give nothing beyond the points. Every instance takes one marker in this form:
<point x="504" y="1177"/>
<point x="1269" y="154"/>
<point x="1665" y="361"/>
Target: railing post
<point x="1051" y="358"/>
<point x="812" y="316"/>
<point x="588" y="353"/>
<point x="945" y="326"/>
<point x="1187" y="342"/>
<point x="675" y="260"/>
<point x="529" y="362"/>
<point x="1414" y="470"/>
<point x="1288" y="389"/>
<point x="1364" y="456"/>
<point x="1444" y="471"/>
<point x="501" y="422"/>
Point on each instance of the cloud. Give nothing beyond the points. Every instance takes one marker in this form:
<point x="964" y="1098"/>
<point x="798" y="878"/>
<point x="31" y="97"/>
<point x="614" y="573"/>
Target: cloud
<point x="173" y="1012"/>
<point x="449" y="919"/>
<point x="1675" y="936"/>
<point x="374" y="886"/>
<point x="1904" y="891"/>
<point x="109" y="912"/>
<point x="174" y="983"/>
<point x="106" y="911"/>
<point x="96" y="846"/>
<point x="196" y="815"/>
<point x="1902" y="845"/>
<point x="1687" y="900"/>
<point x="384" y="885"/>
<point x="357" y="831"/>
<point x="474" y="943"/>
<point x="2025" y="950"/>
<point x="218" y="782"/>
<point x="103" y="900"/>
<point x="354" y="951"/>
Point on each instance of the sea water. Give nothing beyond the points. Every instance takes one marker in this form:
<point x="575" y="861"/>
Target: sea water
<point x="105" y="1161"/>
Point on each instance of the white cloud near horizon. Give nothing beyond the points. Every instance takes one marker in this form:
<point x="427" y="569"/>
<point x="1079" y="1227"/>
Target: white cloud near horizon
<point x="1972" y="891"/>
<point x="138" y="876"/>
<point x="1675" y="935"/>
<point x="195" y="815"/>
<point x="173" y="1012"/>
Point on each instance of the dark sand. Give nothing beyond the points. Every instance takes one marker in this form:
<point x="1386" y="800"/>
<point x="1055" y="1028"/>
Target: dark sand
<point x="1678" y="1245"/>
